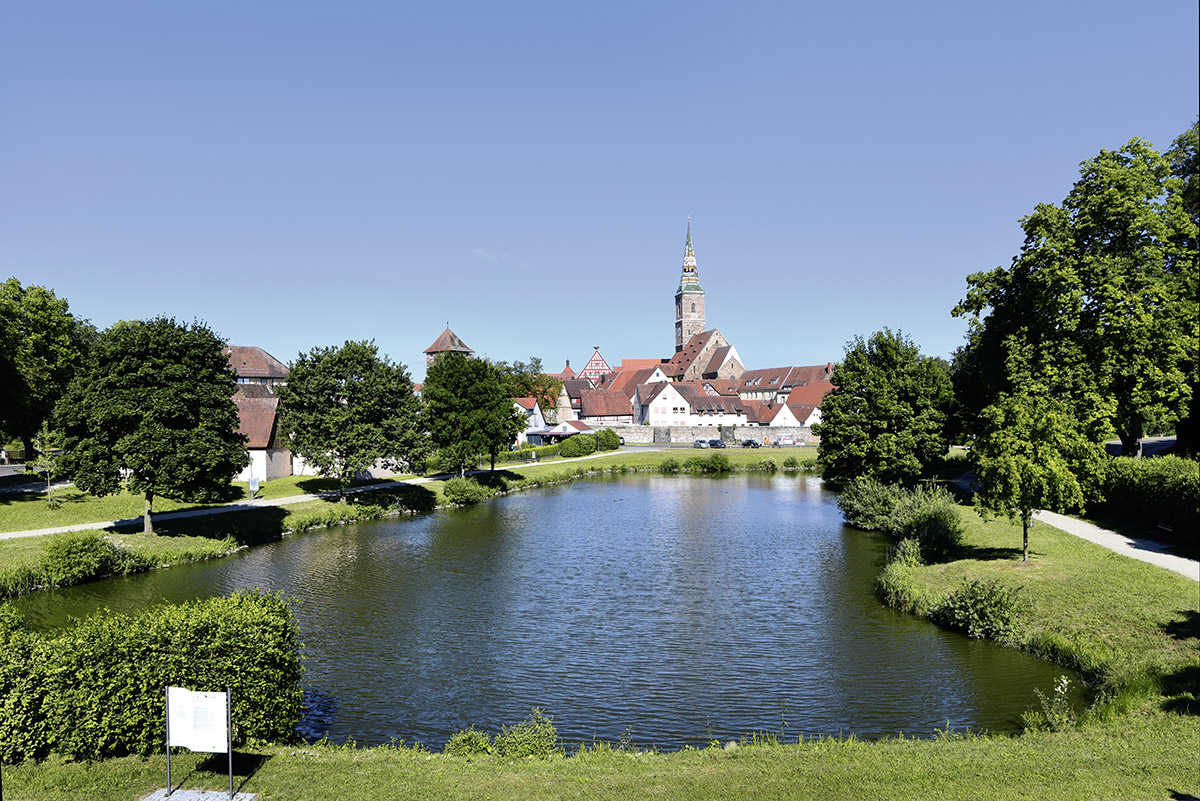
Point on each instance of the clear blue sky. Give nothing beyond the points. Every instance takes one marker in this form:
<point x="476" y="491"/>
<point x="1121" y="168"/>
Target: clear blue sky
<point x="297" y="174"/>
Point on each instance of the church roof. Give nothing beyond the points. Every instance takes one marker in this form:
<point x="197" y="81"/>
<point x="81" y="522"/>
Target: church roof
<point x="566" y="374"/>
<point x="448" y="341"/>
<point x="678" y="364"/>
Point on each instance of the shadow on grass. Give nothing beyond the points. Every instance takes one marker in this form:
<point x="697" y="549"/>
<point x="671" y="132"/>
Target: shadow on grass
<point x="407" y="497"/>
<point x="247" y="527"/>
<point x="498" y="479"/>
<point x="988" y="554"/>
<point x="1182" y="687"/>
<point x="217" y="766"/>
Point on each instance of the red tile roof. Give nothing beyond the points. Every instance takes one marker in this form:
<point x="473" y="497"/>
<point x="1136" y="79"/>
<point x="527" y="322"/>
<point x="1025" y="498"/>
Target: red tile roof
<point x="526" y="403"/>
<point x="640" y="364"/>
<point x="448" y="341"/>
<point x="718" y="359"/>
<point x="678" y="364"/>
<point x="809" y="395"/>
<point x="256" y="415"/>
<point x="252" y="362"/>
<point x="604" y="403"/>
<point x="721" y="386"/>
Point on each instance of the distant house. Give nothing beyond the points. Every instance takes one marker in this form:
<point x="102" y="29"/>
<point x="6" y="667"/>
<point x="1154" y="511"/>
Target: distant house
<point x="567" y="407"/>
<point x="555" y="434"/>
<point x="255" y="366"/>
<point x="775" y="384"/>
<point x="604" y="406"/>
<point x="257" y="406"/>
<point x="685" y="404"/>
<point x="705" y="355"/>
<point x="534" y="420"/>
<point x="595" y="367"/>
<point x="566" y="374"/>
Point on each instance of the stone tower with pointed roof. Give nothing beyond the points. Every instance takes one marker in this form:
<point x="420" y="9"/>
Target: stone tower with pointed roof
<point x="448" y="342"/>
<point x="689" y="298"/>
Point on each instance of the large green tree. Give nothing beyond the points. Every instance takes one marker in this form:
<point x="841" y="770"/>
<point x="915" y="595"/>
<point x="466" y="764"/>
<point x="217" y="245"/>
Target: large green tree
<point x="886" y="414"/>
<point x="527" y="380"/>
<point x="344" y="409"/>
<point x="41" y="346"/>
<point x="1099" y="307"/>
<point x="1032" y="453"/>
<point x="469" y="409"/>
<point x="154" y="402"/>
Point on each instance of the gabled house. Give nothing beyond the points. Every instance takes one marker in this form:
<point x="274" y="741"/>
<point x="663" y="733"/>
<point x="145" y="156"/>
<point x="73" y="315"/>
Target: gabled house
<point x="534" y="420"/>
<point x="254" y="365"/>
<point x="685" y="404"/>
<point x="775" y="384"/>
<point x="567" y="407"/>
<point x="598" y="406"/>
<point x="257" y="406"/>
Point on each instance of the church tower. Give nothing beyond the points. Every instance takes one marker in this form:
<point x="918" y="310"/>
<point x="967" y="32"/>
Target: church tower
<point x="689" y="298"/>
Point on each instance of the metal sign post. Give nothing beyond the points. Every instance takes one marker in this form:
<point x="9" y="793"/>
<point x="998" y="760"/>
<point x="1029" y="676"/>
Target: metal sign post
<point x="203" y="722"/>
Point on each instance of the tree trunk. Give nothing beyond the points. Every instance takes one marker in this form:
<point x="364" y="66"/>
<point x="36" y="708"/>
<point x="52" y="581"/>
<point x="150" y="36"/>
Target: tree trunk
<point x="147" y="523"/>
<point x="1131" y="440"/>
<point x="1026" y="520"/>
<point x="30" y="453"/>
<point x="1187" y="435"/>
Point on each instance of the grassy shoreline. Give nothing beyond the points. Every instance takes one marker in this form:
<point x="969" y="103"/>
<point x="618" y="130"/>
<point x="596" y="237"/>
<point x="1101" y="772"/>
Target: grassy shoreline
<point x="1132" y="628"/>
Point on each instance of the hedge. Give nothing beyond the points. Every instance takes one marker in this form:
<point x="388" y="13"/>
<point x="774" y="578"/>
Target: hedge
<point x="96" y="689"/>
<point x="1161" y="490"/>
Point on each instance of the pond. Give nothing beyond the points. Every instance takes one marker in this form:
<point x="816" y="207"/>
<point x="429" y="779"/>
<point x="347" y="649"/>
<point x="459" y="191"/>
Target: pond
<point x="666" y="611"/>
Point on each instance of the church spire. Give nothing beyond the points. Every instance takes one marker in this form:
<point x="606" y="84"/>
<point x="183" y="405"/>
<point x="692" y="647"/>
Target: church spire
<point x="689" y="298"/>
<point x="689" y="281"/>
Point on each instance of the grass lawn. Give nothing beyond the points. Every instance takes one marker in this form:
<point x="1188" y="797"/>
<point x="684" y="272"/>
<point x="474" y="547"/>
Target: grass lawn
<point x="1145" y="755"/>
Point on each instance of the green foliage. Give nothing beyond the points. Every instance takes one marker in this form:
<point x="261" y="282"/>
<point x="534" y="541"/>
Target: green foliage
<point x="96" y="690"/>
<point x="712" y="463"/>
<point x="577" y="445"/>
<point x="898" y="588"/>
<point x="334" y="516"/>
<point x="1056" y="713"/>
<point x="983" y="608"/>
<point x="870" y="504"/>
<point x="906" y="552"/>
<point x="155" y="402"/>
<point x="1100" y="308"/>
<point x="1164" y="490"/>
<point x="465" y="491"/>
<point x="1031" y="454"/>
<point x="469" y="742"/>
<point x="533" y="737"/>
<point x="607" y="440"/>
<point x="886" y="414"/>
<point x="791" y="463"/>
<point x="74" y="557"/>
<point x="41" y="346"/>
<point x="526" y="454"/>
<point x="669" y="465"/>
<point x="469" y="409"/>
<point x="529" y="381"/>
<point x="344" y="409"/>
<point x="767" y="465"/>
<point x="929" y="516"/>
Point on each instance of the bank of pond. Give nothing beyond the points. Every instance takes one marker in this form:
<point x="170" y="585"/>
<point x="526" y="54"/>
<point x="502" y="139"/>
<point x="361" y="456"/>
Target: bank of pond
<point x="636" y="610"/>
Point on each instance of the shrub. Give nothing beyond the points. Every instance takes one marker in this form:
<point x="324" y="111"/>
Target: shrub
<point x="906" y="552"/>
<point x="1056" y="714"/>
<point x="767" y="465"/>
<point x="469" y="742"/>
<point x="930" y="516"/>
<point x="72" y="557"/>
<point x="669" y="465"/>
<point x="464" y="491"/>
<point x="898" y="588"/>
<point x="607" y="440"/>
<point x="868" y="503"/>
<point x="578" y="445"/>
<point x="533" y="737"/>
<point x="982" y="608"/>
<point x="1165" y="489"/>
<point x="95" y="690"/>
<point x="791" y="463"/>
<point x="714" y="463"/>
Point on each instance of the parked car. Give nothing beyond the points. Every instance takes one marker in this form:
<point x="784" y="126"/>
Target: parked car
<point x="700" y="443"/>
<point x="751" y="443"/>
<point x="716" y="443"/>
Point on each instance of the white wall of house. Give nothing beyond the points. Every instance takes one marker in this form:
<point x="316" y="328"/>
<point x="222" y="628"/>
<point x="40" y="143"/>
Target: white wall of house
<point x="533" y="421"/>
<point x="266" y="464"/>
<point x="669" y="408"/>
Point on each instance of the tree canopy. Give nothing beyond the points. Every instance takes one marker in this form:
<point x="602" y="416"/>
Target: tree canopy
<point x="885" y="416"/>
<point x="1100" y="306"/>
<point x="469" y="409"/>
<point x="41" y="346"/>
<point x="528" y="381"/>
<point x="153" y="400"/>
<point x="344" y="409"/>
<point x="1031" y="453"/>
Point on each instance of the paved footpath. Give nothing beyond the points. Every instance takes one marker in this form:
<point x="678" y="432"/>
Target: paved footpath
<point x="1144" y="550"/>
<point x="242" y="506"/>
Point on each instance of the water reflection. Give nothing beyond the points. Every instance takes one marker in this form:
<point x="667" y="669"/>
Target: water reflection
<point x="676" y="608"/>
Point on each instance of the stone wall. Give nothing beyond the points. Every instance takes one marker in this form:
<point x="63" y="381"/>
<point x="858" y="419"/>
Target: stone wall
<point x="732" y="435"/>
